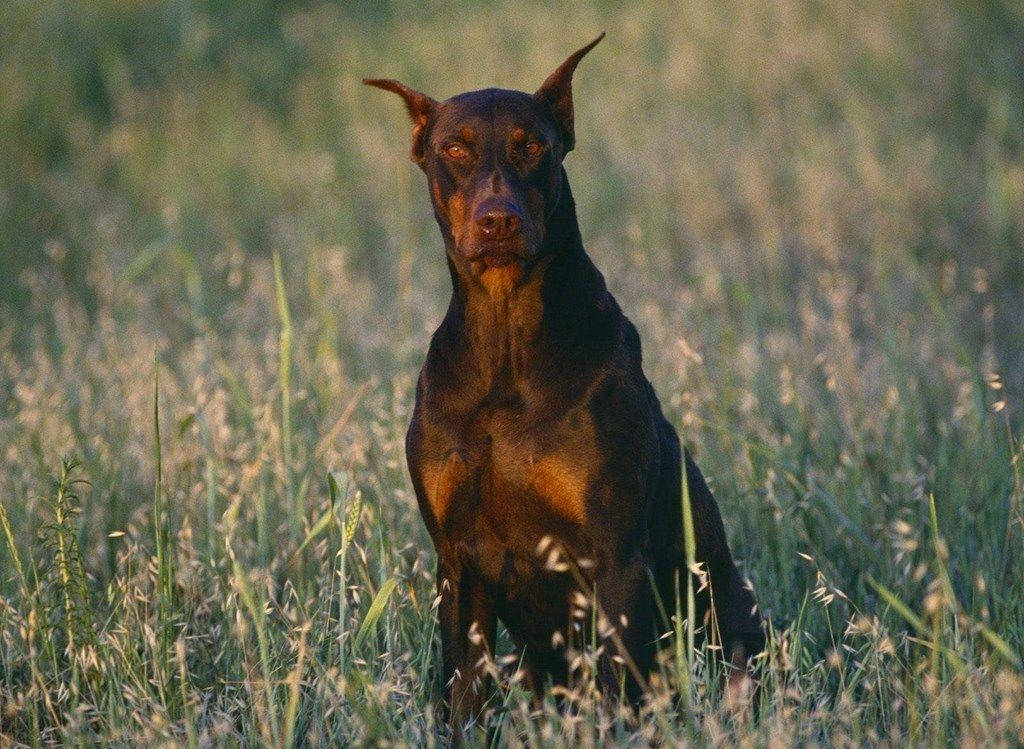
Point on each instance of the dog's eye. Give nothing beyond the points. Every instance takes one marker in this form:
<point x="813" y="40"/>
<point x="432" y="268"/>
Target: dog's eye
<point x="533" y="148"/>
<point x="456" y="151"/>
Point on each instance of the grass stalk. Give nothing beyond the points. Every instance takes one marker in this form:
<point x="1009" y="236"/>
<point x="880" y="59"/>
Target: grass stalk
<point x="12" y="549"/>
<point x="188" y="715"/>
<point x="690" y="547"/>
<point x="164" y="561"/>
<point x="285" y="384"/>
<point x="294" y="685"/>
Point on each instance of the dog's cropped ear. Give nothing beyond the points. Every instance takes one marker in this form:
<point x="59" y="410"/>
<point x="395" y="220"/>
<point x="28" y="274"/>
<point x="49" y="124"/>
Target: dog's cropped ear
<point x="556" y="92"/>
<point x="421" y="108"/>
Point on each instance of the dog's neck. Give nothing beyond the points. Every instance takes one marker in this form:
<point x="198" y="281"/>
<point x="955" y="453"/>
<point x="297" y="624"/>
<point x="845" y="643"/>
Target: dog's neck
<point x="498" y="313"/>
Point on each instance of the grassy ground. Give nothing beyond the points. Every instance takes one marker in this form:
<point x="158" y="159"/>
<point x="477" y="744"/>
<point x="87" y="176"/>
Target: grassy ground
<point x="218" y="274"/>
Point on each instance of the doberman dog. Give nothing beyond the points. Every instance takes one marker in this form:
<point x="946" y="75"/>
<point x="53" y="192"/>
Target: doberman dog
<point x="541" y="460"/>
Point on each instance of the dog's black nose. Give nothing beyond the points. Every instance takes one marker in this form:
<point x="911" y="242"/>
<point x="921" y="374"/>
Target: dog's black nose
<point x="498" y="218"/>
<point x="497" y="224"/>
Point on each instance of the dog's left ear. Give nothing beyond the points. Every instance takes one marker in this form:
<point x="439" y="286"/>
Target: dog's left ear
<point x="556" y="92"/>
<point x="421" y="108"/>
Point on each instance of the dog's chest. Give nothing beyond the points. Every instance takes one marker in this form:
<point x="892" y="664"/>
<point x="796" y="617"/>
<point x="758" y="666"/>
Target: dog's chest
<point x="509" y="478"/>
<point x="545" y="464"/>
<point x="533" y="483"/>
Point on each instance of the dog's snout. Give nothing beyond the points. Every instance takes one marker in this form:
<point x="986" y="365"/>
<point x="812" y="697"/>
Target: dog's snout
<point x="498" y="223"/>
<point x="497" y="220"/>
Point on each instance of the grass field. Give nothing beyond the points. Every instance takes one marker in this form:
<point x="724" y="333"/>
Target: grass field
<point x="219" y="272"/>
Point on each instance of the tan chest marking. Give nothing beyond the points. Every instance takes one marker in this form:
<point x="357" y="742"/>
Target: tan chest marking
<point x="441" y="479"/>
<point x="562" y="484"/>
<point x="500" y="282"/>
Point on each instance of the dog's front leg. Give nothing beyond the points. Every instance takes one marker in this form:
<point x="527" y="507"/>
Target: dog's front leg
<point x="468" y="624"/>
<point x="625" y="628"/>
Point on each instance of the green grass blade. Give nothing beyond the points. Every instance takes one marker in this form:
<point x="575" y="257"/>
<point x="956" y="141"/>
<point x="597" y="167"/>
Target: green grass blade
<point x="375" y="611"/>
<point x="285" y="377"/>
<point x="901" y="608"/>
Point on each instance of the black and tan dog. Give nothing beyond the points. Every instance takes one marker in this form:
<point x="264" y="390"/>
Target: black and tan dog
<point x="535" y="429"/>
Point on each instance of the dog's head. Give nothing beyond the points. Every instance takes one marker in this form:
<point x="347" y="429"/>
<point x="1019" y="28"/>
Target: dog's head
<point x="493" y="162"/>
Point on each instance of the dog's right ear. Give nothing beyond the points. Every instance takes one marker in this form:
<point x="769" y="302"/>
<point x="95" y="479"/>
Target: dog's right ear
<point x="421" y="108"/>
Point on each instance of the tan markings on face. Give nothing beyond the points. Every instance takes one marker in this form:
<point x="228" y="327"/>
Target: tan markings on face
<point x="562" y="484"/>
<point x="457" y="215"/>
<point x="468" y="134"/>
<point x="435" y="192"/>
<point x="518" y="135"/>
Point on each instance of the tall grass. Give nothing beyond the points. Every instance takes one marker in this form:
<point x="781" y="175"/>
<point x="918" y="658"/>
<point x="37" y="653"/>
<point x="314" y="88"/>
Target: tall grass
<point x="813" y="212"/>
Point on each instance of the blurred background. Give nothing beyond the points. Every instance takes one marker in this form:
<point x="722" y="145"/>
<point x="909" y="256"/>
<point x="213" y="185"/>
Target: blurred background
<point x="814" y="212"/>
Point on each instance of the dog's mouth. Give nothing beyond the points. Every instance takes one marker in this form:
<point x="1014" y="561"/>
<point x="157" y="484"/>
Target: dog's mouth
<point x="497" y="254"/>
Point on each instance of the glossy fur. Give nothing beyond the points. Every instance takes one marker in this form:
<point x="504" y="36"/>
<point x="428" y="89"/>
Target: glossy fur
<point x="541" y="459"/>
